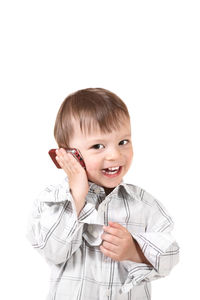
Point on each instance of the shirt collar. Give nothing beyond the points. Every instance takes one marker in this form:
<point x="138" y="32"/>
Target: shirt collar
<point x="127" y="187"/>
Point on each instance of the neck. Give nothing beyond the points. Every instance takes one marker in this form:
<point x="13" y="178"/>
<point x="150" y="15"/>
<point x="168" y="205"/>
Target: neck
<point x="108" y="190"/>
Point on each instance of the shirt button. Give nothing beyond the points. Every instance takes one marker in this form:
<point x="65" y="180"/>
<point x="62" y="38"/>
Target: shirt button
<point x="95" y="234"/>
<point x="108" y="292"/>
<point x="97" y="190"/>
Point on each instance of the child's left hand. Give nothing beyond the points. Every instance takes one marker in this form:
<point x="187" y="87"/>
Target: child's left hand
<point x="119" y="244"/>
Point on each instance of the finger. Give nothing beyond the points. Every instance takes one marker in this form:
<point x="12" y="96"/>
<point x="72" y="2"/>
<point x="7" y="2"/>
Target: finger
<point x="59" y="161"/>
<point x="59" y="156"/>
<point x="68" y="160"/>
<point x="65" y="162"/>
<point x="60" y="152"/>
<point x="74" y="163"/>
<point x="117" y="225"/>
<point x="110" y="238"/>
<point x="110" y="246"/>
<point x="114" y="231"/>
<point x="109" y="253"/>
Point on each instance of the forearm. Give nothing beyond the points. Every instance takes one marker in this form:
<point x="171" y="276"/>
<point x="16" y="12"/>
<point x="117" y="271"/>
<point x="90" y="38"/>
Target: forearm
<point x="79" y="206"/>
<point x="138" y="255"/>
<point x="78" y="201"/>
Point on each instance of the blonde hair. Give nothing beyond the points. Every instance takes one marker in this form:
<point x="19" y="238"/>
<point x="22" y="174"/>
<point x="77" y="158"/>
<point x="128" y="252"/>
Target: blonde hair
<point x="95" y="108"/>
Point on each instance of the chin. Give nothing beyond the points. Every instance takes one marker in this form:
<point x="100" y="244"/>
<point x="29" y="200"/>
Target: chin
<point x="113" y="185"/>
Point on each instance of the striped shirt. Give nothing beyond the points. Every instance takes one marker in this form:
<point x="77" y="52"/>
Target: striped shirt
<point x="70" y="244"/>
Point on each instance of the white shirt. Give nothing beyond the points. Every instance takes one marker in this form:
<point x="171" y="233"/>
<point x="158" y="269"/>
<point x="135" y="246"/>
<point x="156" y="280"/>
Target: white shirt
<point x="70" y="244"/>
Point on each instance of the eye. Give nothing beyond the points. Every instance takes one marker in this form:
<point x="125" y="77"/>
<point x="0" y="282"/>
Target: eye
<point x="124" y="142"/>
<point x="97" y="146"/>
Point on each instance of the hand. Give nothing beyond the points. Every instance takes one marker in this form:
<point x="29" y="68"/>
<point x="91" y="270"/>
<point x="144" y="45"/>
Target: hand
<point x="77" y="177"/>
<point x="119" y="244"/>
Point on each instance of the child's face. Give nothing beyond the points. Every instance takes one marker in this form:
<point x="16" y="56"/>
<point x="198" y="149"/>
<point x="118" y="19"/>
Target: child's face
<point x="101" y="151"/>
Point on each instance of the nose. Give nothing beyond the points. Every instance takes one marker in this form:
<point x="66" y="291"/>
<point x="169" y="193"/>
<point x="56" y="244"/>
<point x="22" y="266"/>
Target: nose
<point x="113" y="154"/>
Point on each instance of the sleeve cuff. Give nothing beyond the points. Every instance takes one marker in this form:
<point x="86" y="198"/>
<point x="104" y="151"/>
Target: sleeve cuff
<point x="161" y="251"/>
<point x="94" y="224"/>
<point x="137" y="274"/>
<point x="156" y="245"/>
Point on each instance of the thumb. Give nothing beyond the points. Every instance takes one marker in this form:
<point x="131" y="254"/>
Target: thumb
<point x="117" y="225"/>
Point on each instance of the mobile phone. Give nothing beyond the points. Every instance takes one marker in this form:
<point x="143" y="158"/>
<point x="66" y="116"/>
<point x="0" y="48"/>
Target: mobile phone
<point x="75" y="152"/>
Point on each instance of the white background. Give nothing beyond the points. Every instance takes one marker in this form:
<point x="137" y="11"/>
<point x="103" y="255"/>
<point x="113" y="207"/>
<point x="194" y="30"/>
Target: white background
<point x="147" y="52"/>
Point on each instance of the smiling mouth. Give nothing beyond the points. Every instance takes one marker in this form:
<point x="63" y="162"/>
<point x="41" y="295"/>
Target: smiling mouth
<point x="112" y="171"/>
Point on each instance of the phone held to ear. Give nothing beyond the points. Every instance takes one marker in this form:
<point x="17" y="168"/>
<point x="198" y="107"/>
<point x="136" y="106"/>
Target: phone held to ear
<point x="75" y="152"/>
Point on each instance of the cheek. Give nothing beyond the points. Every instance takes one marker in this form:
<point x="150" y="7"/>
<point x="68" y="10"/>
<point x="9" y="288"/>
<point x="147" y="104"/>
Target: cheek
<point x="92" y="170"/>
<point x="130" y="157"/>
<point x="92" y="165"/>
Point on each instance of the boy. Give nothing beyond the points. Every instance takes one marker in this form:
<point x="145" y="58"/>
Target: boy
<point x="103" y="239"/>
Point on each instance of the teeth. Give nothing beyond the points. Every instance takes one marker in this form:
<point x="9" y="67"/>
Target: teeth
<point x="112" y="169"/>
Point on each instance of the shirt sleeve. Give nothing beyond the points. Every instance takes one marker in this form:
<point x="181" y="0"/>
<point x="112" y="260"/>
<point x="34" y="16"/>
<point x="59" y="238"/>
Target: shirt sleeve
<point x="158" y="246"/>
<point x="53" y="226"/>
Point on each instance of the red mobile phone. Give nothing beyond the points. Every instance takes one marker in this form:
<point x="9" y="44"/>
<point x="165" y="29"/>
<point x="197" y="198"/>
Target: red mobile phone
<point x="75" y="152"/>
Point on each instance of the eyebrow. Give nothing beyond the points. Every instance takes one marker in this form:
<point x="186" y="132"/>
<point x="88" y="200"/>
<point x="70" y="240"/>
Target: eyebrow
<point x="103" y="140"/>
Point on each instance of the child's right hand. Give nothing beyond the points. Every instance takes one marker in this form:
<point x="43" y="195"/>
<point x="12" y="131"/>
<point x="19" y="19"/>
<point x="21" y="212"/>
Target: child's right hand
<point x="77" y="177"/>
